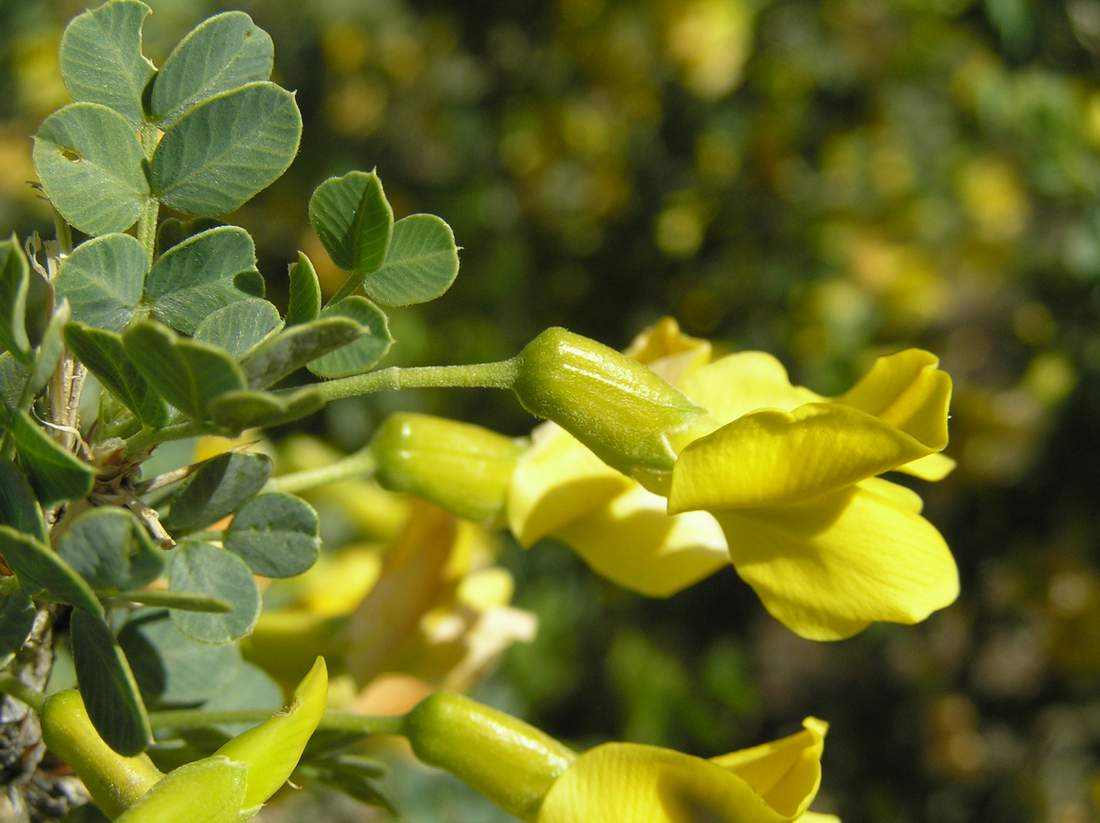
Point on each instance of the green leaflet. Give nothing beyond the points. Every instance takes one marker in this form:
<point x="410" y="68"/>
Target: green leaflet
<point x="201" y="274"/>
<point x="16" y="621"/>
<point x="104" y="355"/>
<point x="201" y="567"/>
<point x="14" y="280"/>
<point x="305" y="292"/>
<point x="277" y="535"/>
<point x="103" y="280"/>
<point x="55" y="473"/>
<point x="101" y="60"/>
<point x="108" y="686"/>
<point x="354" y="221"/>
<point x="361" y="355"/>
<point x="287" y="352"/>
<point x="239" y="410"/>
<point x="49" y="351"/>
<point x="226" y="150"/>
<point x="111" y="550"/>
<point x="41" y="570"/>
<point x="239" y="326"/>
<point x="421" y="263"/>
<point x="170" y="667"/>
<point x="91" y="167"/>
<point x="187" y="373"/>
<point x="220" y="54"/>
<point x="218" y="487"/>
<point x="18" y="508"/>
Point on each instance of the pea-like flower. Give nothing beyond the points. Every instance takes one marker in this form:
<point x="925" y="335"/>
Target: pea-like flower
<point x="536" y="778"/>
<point x="780" y="481"/>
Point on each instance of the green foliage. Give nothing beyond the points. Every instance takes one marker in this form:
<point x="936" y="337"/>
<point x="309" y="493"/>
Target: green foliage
<point x="91" y="166"/>
<point x="55" y="473"/>
<point x="42" y="572"/>
<point x="362" y="354"/>
<point x="103" y="279"/>
<point x="421" y="263"/>
<point x="204" y="568"/>
<point x="354" y="221"/>
<point x="275" y="534"/>
<point x="13" y="300"/>
<point x="104" y="355"/>
<point x="110" y="550"/>
<point x="110" y="692"/>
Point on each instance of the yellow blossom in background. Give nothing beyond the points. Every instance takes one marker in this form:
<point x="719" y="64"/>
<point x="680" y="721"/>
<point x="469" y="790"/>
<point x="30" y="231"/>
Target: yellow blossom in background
<point x="774" y="478"/>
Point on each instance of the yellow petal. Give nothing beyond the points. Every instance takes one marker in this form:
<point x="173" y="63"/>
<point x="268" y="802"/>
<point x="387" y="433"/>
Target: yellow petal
<point x="210" y="790"/>
<point x="271" y="750"/>
<point x="630" y="783"/>
<point x="785" y="772"/>
<point x="633" y="541"/>
<point x="555" y="482"/>
<point x="907" y="391"/>
<point x="668" y="351"/>
<point x="932" y="467"/>
<point x="776" y="457"/>
<point x="829" y="567"/>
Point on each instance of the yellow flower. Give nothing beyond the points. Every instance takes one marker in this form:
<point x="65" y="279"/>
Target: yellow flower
<point x="536" y="778"/>
<point x="631" y="783"/>
<point x="774" y="478"/>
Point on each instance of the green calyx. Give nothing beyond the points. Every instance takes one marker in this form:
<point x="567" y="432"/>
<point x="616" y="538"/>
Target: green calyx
<point x="613" y="404"/>
<point x="463" y="468"/>
<point x="510" y="762"/>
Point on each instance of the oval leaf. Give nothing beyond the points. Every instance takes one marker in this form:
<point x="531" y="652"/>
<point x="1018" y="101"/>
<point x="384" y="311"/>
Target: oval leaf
<point x="276" y="535"/>
<point x="354" y="221"/>
<point x="226" y="150"/>
<point x="305" y="292"/>
<point x="421" y="264"/>
<point x="220" y="54"/>
<point x="189" y="374"/>
<point x="103" y="279"/>
<point x="277" y="357"/>
<point x="171" y="668"/>
<point x="104" y="355"/>
<point x="239" y="326"/>
<point x="240" y="410"/>
<point x="218" y="487"/>
<point x="55" y="474"/>
<point x="206" y="569"/>
<point x="360" y="356"/>
<point x="40" y="569"/>
<point x="18" y="508"/>
<point x="200" y="275"/>
<point x="90" y="164"/>
<point x="17" y="614"/>
<point x="107" y="685"/>
<point x="111" y="550"/>
<point x="14" y="281"/>
<point x="101" y="60"/>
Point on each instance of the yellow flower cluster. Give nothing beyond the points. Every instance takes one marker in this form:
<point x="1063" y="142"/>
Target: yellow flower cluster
<point x="774" y="478"/>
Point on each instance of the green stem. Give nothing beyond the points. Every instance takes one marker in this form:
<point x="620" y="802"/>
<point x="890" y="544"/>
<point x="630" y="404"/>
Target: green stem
<point x="333" y="721"/>
<point x="360" y="464"/>
<point x="499" y="375"/>
<point x="12" y="687"/>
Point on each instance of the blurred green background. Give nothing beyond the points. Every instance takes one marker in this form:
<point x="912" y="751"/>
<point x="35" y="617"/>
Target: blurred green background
<point x="824" y="180"/>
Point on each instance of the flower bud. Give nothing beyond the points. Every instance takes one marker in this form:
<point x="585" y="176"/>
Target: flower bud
<point x="462" y="468"/>
<point x="114" y="781"/>
<point x="508" y="761"/>
<point x="613" y="404"/>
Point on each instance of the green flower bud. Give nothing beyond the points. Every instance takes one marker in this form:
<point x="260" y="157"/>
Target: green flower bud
<point x="115" y="782"/>
<point x="465" y="469"/>
<point x="510" y="762"/>
<point x="613" y="404"/>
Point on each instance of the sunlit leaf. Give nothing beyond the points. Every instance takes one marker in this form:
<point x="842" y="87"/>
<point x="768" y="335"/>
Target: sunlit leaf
<point x="217" y="488"/>
<point x="239" y="326"/>
<point x="101" y="60"/>
<point x="354" y="221"/>
<point x="226" y="150"/>
<point x="102" y="280"/>
<point x="421" y="263"/>
<point x="361" y="355"/>
<point x="221" y="53"/>
<point x="90" y="164"/>
<point x="276" y="535"/>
